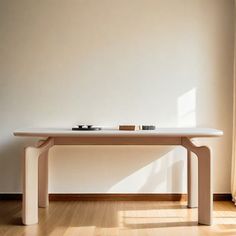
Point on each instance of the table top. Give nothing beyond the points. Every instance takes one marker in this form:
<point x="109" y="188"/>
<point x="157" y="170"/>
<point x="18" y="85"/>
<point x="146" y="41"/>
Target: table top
<point x="159" y="132"/>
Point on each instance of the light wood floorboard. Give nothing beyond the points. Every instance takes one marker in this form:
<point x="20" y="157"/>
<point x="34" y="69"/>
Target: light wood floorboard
<point x="115" y="218"/>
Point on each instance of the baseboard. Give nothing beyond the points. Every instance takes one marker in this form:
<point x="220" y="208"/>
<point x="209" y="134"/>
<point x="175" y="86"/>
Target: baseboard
<point x="117" y="197"/>
<point x="10" y="196"/>
<point x="222" y="197"/>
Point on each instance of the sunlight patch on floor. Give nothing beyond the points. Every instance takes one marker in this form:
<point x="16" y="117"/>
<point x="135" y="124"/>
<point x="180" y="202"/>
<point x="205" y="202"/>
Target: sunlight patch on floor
<point x="157" y="216"/>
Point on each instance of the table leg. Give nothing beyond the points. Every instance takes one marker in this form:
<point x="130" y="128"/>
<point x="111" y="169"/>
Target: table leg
<point x="205" y="200"/>
<point x="192" y="180"/>
<point x="43" y="200"/>
<point x="30" y="182"/>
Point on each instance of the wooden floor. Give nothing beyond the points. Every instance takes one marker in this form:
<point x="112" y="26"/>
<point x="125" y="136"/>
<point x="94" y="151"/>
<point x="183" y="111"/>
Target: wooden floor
<point x="117" y="218"/>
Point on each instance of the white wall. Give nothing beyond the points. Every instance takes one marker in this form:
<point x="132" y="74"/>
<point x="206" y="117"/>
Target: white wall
<point x="107" y="62"/>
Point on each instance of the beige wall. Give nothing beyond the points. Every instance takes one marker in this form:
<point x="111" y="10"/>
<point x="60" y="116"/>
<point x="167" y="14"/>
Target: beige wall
<point x="106" y="62"/>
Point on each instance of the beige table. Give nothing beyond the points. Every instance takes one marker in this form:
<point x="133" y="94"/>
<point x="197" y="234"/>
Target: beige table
<point x="35" y="190"/>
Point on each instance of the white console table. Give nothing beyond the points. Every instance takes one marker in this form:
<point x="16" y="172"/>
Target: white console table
<point x="35" y="190"/>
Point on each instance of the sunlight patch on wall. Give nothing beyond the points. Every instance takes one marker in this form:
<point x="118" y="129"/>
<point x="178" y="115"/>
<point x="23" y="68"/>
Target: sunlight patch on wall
<point x="187" y="109"/>
<point x="165" y="174"/>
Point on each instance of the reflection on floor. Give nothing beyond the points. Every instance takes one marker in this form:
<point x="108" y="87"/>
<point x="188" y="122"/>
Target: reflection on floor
<point x="117" y="218"/>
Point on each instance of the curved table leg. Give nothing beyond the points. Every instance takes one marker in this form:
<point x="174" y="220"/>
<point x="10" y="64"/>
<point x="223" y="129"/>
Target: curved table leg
<point x="30" y="182"/>
<point x="43" y="200"/>
<point x="205" y="200"/>
<point x="192" y="180"/>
